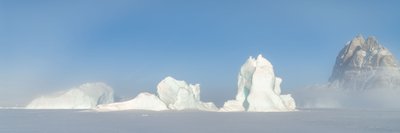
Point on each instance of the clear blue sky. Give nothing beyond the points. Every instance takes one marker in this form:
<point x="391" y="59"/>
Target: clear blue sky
<point x="131" y="45"/>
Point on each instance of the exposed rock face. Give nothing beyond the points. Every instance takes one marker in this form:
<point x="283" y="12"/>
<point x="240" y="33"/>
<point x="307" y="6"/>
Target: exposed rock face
<point x="365" y="64"/>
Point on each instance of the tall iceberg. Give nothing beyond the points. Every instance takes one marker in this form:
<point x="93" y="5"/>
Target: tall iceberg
<point x="86" y="96"/>
<point x="259" y="90"/>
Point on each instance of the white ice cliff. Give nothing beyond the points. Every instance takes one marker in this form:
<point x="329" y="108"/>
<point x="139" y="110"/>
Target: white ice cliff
<point x="259" y="90"/>
<point x="364" y="65"/>
<point x="86" y="96"/>
<point x="172" y="95"/>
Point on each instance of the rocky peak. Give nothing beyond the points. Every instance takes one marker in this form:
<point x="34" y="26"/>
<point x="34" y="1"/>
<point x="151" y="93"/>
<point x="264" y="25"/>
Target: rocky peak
<point x="362" y="60"/>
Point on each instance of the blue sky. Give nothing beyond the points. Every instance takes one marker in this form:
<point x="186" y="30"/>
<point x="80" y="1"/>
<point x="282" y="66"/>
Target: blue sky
<point x="131" y="45"/>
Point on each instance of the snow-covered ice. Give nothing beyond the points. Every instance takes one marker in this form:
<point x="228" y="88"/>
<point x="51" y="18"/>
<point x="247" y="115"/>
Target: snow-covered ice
<point x="259" y="89"/>
<point x="86" y="96"/>
<point x="302" y="121"/>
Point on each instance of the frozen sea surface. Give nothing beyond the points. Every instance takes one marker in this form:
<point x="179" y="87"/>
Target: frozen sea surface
<point x="304" y="121"/>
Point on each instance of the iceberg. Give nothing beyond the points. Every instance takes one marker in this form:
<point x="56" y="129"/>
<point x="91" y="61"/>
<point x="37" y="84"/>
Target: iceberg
<point x="178" y="95"/>
<point x="259" y="89"/>
<point x="86" y="96"/>
<point x="172" y="95"/>
<point x="144" y="101"/>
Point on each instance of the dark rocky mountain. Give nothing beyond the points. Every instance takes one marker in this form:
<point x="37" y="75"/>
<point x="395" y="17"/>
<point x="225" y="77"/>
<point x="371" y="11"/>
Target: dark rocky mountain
<point x="365" y="64"/>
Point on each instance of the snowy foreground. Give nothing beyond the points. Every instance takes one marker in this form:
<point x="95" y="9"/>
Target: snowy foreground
<point x="303" y="121"/>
